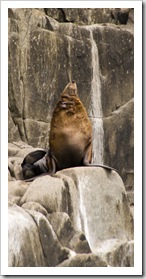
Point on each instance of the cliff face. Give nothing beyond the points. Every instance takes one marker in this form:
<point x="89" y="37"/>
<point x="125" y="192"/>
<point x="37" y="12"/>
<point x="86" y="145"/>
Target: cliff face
<point x="94" y="47"/>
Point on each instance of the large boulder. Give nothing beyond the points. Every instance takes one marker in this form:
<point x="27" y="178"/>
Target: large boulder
<point x="98" y="204"/>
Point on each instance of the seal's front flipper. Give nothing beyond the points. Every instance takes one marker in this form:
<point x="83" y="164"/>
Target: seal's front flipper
<point x="51" y="163"/>
<point x="38" y="163"/>
<point x="33" y="157"/>
<point x="34" y="164"/>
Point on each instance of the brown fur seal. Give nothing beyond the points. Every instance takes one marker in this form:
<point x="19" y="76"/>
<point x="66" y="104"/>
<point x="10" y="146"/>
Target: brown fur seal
<point x="34" y="164"/>
<point x="70" y="138"/>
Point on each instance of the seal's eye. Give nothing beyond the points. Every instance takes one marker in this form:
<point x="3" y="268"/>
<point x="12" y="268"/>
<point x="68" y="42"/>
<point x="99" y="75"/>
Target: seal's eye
<point x="73" y="81"/>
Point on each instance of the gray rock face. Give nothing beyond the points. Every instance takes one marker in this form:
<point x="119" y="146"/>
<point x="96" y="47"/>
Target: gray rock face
<point x="84" y="211"/>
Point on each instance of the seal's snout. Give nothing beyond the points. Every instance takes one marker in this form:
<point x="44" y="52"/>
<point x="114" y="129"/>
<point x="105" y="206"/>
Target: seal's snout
<point x="70" y="89"/>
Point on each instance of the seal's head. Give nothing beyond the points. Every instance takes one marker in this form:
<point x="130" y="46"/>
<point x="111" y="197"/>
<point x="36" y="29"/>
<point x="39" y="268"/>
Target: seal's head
<point x="70" y="89"/>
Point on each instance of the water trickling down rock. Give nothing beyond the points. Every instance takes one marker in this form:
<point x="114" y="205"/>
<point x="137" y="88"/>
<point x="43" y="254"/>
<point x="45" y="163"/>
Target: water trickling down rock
<point x="97" y="121"/>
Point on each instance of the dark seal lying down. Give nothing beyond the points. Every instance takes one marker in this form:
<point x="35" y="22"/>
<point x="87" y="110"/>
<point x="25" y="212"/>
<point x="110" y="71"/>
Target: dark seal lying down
<point x="70" y="139"/>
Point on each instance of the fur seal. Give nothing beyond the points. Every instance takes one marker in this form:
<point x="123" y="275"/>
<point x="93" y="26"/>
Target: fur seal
<point x="70" y="138"/>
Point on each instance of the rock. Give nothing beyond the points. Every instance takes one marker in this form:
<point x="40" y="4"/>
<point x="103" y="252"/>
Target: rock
<point x="20" y="78"/>
<point x="10" y="178"/>
<point x="32" y="241"/>
<point x="71" y="199"/>
<point x="131" y="16"/>
<point x="90" y="16"/>
<point x="47" y="191"/>
<point x="66" y="233"/>
<point x="52" y="24"/>
<point x="54" y="13"/>
<point x="101" y="209"/>
<point x="35" y="206"/>
<point x="119" y="126"/>
<point x="79" y="243"/>
<point x="16" y="190"/>
<point x="24" y="247"/>
<point x="127" y="254"/>
<point x="132" y="210"/>
<point x="117" y="253"/>
<point x="14" y="165"/>
<point x="19" y="149"/>
<point x="12" y="149"/>
<point x="84" y="260"/>
<point x="116" y="59"/>
<point x="121" y="15"/>
<point x="130" y="197"/>
<point x="62" y="226"/>
<point x="129" y="178"/>
<point x="13" y="200"/>
<point x="13" y="133"/>
<point x="53" y="252"/>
